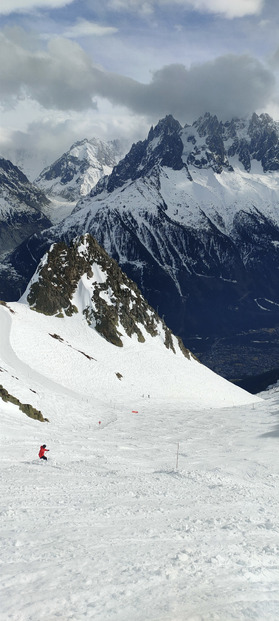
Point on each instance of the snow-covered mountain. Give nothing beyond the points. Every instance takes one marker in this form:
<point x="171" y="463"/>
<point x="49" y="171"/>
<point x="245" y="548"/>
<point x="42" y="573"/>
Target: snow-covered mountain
<point x="21" y="207"/>
<point x="75" y="173"/>
<point x="159" y="499"/>
<point x="191" y="214"/>
<point x="84" y="311"/>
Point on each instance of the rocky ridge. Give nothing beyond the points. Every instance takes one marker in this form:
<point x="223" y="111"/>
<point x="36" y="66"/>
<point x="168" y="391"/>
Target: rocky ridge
<point x="82" y="278"/>
<point x="208" y="143"/>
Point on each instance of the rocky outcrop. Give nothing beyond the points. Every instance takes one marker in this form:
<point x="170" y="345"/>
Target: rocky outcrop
<point x="163" y="147"/>
<point x="114" y="306"/>
<point x="26" y="408"/>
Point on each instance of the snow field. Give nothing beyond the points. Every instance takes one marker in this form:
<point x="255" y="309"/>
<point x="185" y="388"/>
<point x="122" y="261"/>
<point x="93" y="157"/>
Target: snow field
<point x="109" y="529"/>
<point x="80" y="361"/>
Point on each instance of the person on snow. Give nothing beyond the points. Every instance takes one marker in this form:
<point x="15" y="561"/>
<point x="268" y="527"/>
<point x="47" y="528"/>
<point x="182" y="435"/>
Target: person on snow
<point x="42" y="451"/>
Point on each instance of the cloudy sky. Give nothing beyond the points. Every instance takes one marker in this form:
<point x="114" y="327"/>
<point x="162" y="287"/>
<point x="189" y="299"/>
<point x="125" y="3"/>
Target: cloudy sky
<point x="110" y="68"/>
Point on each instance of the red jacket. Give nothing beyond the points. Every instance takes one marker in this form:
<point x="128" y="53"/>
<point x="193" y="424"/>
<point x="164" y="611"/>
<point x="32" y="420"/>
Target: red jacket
<point x="42" y="451"/>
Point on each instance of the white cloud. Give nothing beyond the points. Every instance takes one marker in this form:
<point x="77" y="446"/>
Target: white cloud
<point x="63" y="77"/>
<point x="84" y="28"/>
<point x="44" y="139"/>
<point x="231" y="85"/>
<point x="227" y="8"/>
<point x="274" y="60"/>
<point x="144" y="8"/>
<point x="25" y="6"/>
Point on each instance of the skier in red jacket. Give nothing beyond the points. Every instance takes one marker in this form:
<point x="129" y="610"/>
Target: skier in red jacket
<point x="42" y="451"/>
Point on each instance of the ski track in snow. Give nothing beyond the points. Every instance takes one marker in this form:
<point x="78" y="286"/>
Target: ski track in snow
<point x="25" y="370"/>
<point x="110" y="530"/>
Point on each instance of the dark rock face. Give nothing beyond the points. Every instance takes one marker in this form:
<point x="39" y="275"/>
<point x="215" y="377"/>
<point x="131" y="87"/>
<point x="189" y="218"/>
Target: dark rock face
<point x="264" y="141"/>
<point x="163" y="147"/>
<point x="21" y="207"/>
<point x="211" y="152"/>
<point x="261" y="142"/>
<point x="63" y="168"/>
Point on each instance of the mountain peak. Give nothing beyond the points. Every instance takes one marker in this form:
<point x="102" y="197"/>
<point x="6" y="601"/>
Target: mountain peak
<point x="163" y="147"/>
<point x="208" y="125"/>
<point x="82" y="278"/>
<point x="79" y="169"/>
<point x="261" y="119"/>
<point x="168" y="125"/>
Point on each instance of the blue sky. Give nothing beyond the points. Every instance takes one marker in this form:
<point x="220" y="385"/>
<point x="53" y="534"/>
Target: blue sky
<point x="111" y="68"/>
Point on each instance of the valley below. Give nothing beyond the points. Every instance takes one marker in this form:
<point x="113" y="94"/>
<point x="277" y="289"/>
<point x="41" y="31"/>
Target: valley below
<point x="249" y="359"/>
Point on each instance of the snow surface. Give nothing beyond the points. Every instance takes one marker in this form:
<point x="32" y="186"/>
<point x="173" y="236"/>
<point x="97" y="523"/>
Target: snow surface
<point x="122" y="522"/>
<point x="58" y="210"/>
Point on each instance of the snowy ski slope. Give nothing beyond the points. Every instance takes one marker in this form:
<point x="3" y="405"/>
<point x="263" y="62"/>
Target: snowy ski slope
<point x="122" y="521"/>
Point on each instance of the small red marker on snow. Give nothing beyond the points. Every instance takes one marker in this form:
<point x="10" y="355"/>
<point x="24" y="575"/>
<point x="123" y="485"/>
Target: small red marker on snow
<point x="99" y="422"/>
<point x="134" y="411"/>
